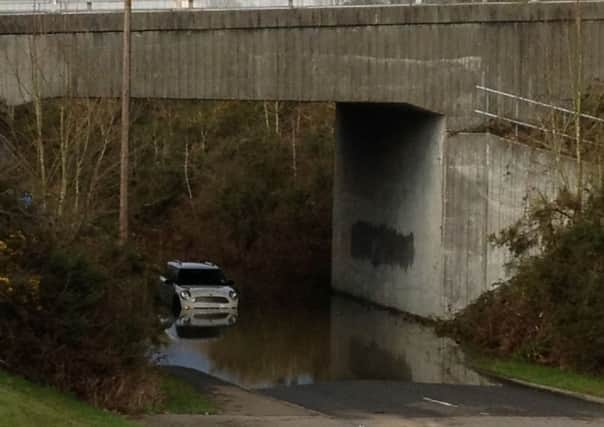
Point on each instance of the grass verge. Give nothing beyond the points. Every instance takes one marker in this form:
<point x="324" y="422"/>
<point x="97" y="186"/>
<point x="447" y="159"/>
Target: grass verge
<point x="23" y="404"/>
<point x="182" y="398"/>
<point x="541" y="375"/>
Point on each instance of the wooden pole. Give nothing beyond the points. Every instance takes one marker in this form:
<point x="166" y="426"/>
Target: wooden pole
<point x="123" y="214"/>
<point x="578" y="100"/>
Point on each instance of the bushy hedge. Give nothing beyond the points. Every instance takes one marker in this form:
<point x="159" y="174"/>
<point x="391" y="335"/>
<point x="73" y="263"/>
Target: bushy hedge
<point x="552" y="309"/>
<point x="78" y="317"/>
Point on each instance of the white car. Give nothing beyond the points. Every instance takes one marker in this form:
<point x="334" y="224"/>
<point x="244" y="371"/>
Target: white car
<point x="197" y="286"/>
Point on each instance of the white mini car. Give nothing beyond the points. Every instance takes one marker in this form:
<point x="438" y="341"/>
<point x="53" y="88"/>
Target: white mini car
<point x="196" y="286"/>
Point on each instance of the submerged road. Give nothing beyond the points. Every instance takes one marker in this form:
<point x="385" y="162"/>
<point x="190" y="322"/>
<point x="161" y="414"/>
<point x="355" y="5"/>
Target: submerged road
<point x="382" y="404"/>
<point x="350" y="364"/>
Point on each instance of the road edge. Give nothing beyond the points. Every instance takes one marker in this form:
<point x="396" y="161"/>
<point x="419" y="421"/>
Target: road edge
<point x="171" y="369"/>
<point x="550" y="389"/>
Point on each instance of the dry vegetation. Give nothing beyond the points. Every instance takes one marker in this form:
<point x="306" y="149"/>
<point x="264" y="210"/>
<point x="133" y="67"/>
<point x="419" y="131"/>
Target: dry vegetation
<point x="551" y="311"/>
<point x="247" y="185"/>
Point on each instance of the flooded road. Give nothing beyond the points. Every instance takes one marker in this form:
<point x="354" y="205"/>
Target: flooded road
<point x="262" y="347"/>
<point x="321" y="359"/>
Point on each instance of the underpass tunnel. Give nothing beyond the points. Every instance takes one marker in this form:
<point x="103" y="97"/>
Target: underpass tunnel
<point x="388" y="206"/>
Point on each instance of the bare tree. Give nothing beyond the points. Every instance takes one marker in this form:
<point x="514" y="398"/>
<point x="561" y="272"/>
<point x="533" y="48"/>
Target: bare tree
<point x="186" y="171"/>
<point x="37" y="101"/>
<point x="295" y="133"/>
<point x="277" y="131"/>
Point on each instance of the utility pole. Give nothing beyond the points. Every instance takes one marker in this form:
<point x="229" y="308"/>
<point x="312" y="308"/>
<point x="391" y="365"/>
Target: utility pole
<point x="123" y="216"/>
<point x="578" y="99"/>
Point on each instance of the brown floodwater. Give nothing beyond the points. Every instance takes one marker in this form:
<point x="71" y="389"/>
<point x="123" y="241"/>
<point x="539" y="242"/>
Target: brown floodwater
<point x="264" y="346"/>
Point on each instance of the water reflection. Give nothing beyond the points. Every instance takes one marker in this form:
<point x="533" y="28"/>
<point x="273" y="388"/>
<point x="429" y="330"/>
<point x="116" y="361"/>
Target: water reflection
<point x="266" y="346"/>
<point x="370" y="343"/>
<point x="347" y="340"/>
<point x="204" y="323"/>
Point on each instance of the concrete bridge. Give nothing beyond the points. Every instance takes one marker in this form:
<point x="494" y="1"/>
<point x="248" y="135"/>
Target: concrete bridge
<point x="415" y="195"/>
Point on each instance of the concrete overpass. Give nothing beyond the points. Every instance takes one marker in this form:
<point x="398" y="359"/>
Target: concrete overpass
<point x="415" y="199"/>
<point x="428" y="56"/>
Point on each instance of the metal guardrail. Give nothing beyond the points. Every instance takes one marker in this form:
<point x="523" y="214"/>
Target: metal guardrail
<point x="492" y="110"/>
<point x="82" y="6"/>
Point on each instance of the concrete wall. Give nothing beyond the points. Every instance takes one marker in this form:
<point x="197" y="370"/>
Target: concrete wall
<point x="429" y="56"/>
<point x="427" y="205"/>
<point x="489" y="184"/>
<point x="388" y="206"/>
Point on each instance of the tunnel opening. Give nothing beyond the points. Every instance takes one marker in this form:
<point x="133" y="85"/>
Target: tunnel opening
<point x="386" y="244"/>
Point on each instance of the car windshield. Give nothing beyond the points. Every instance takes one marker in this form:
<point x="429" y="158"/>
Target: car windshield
<point x="200" y="277"/>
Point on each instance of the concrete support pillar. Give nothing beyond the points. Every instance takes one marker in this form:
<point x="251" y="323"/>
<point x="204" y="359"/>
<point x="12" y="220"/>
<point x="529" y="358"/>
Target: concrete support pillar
<point x="388" y="189"/>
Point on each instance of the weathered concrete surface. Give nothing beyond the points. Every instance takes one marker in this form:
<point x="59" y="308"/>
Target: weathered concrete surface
<point x="428" y="56"/>
<point x="387" y="211"/>
<point x="413" y="210"/>
<point x="489" y="184"/>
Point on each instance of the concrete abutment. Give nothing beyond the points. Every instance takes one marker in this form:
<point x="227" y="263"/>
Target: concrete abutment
<point x="388" y="206"/>
<point x="414" y="206"/>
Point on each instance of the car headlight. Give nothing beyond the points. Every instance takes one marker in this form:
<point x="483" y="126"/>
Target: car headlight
<point x="185" y="295"/>
<point x="233" y="295"/>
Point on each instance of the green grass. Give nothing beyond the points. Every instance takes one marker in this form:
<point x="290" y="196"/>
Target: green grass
<point x="182" y="398"/>
<point x="542" y="375"/>
<point x="23" y="404"/>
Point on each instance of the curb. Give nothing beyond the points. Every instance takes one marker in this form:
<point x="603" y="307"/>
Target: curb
<point x="574" y="394"/>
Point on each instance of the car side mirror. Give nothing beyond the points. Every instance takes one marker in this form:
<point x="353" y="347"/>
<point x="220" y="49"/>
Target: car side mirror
<point x="230" y="282"/>
<point x="165" y="281"/>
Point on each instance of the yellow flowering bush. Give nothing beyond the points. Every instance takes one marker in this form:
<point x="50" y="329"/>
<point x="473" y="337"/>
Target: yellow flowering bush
<point x="66" y="315"/>
<point x="17" y="285"/>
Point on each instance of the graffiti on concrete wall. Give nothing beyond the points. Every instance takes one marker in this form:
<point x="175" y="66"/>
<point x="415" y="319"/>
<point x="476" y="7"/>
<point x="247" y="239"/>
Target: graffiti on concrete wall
<point x="381" y="245"/>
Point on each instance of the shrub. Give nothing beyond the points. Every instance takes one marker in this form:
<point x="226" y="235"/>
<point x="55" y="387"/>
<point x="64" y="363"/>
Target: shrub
<point x="552" y="310"/>
<point x="77" y="317"/>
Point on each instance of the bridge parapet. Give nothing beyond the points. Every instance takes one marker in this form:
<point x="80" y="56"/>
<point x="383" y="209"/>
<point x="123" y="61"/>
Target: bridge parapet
<point x="371" y="16"/>
<point x="82" y="6"/>
<point x="429" y="56"/>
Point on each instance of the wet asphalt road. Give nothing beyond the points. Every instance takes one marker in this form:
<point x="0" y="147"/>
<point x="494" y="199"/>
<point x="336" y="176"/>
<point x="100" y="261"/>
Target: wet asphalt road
<point x="381" y="404"/>
<point x="353" y="399"/>
<point x="352" y="365"/>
